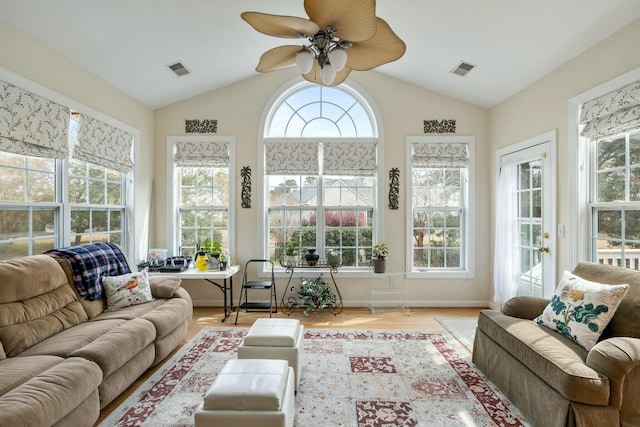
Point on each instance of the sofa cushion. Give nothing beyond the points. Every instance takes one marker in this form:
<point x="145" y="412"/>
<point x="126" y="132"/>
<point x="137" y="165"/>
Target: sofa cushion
<point x="169" y="316"/>
<point x="127" y="290"/>
<point x="19" y="370"/>
<point x="116" y="347"/>
<point x="129" y="313"/>
<point x="50" y="395"/>
<point x="36" y="302"/>
<point x="66" y="342"/>
<point x="164" y="286"/>
<point x="581" y="309"/>
<point x="557" y="360"/>
<point x="93" y="308"/>
<point x="626" y="322"/>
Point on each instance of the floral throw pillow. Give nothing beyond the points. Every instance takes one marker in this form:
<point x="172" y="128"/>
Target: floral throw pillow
<point x="580" y="309"/>
<point x="126" y="290"/>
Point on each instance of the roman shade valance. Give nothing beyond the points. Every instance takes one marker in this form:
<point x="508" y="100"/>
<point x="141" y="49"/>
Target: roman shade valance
<point x="440" y="155"/>
<point x="291" y="157"/>
<point x="613" y="113"/>
<point x="104" y="145"/>
<point x="350" y="158"/>
<point x="31" y="125"/>
<point x="202" y="154"/>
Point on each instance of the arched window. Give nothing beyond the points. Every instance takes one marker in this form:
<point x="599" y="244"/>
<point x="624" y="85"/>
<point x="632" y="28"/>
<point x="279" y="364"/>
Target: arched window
<point x="320" y="150"/>
<point x="319" y="111"/>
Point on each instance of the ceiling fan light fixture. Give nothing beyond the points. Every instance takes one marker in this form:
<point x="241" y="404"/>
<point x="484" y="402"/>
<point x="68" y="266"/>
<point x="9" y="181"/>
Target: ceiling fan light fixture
<point x="328" y="74"/>
<point x="304" y="61"/>
<point x="338" y="58"/>
<point x="334" y="26"/>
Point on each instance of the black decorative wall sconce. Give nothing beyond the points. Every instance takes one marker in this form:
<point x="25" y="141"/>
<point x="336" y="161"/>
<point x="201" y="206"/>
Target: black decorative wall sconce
<point x="439" y="126"/>
<point x="394" y="188"/>
<point x="201" y="126"/>
<point x="245" y="173"/>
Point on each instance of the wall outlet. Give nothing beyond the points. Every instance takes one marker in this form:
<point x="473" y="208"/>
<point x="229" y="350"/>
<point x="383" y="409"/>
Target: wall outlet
<point x="392" y="282"/>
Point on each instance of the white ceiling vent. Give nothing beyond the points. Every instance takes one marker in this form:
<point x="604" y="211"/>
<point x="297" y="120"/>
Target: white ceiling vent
<point x="179" y="69"/>
<point x="463" y="68"/>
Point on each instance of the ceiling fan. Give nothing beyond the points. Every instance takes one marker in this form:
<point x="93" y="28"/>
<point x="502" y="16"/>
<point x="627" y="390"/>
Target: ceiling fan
<point x="344" y="35"/>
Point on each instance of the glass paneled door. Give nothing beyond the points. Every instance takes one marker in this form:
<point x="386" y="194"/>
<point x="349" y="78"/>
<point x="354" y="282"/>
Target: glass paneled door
<point x="533" y="240"/>
<point x="531" y="253"/>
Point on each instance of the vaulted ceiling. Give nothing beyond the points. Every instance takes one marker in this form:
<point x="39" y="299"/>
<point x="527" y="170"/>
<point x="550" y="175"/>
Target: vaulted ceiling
<point x="129" y="43"/>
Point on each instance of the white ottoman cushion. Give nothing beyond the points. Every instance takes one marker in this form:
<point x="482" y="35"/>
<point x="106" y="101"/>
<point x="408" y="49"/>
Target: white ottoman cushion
<point x="273" y="333"/>
<point x="250" y="393"/>
<point x="275" y="339"/>
<point x="249" y="384"/>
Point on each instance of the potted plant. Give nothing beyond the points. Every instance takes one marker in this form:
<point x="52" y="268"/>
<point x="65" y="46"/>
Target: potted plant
<point x="290" y="253"/>
<point x="315" y="294"/>
<point x="334" y="258"/>
<point x="379" y="257"/>
<point x="214" y="249"/>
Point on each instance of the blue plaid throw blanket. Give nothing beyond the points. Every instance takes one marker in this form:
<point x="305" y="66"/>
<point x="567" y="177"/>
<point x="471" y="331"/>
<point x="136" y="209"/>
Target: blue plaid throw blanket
<point x="90" y="262"/>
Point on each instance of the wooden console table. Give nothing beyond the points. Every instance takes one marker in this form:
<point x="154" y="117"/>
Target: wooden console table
<point x="290" y="303"/>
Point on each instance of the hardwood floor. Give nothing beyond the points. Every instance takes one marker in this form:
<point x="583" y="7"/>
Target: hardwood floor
<point x="350" y="318"/>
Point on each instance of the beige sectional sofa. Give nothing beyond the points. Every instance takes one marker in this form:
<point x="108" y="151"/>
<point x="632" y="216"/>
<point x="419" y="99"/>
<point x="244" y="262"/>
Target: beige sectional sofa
<point x="62" y="357"/>
<point x="553" y="380"/>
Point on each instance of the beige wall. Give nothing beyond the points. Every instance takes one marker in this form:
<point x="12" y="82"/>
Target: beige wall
<point x="32" y="60"/>
<point x="238" y="108"/>
<point x="543" y="106"/>
<point x="402" y="107"/>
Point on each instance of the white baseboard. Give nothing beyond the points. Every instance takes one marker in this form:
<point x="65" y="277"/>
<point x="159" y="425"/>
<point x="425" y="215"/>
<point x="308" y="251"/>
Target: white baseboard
<point x="367" y="303"/>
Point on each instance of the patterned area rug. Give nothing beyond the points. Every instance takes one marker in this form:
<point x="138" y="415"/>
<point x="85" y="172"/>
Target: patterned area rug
<point x="462" y="328"/>
<point x="351" y="378"/>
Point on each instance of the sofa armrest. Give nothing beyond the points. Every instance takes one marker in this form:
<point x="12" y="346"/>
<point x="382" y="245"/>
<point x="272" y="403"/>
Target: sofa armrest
<point x="618" y="359"/>
<point x="524" y="307"/>
<point x="164" y="286"/>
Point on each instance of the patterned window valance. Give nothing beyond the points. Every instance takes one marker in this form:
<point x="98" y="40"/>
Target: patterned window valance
<point x="350" y="158"/>
<point x="440" y="155"/>
<point x="613" y="113"/>
<point x="202" y="154"/>
<point x="291" y="157"/>
<point x="103" y="145"/>
<point x="31" y="125"/>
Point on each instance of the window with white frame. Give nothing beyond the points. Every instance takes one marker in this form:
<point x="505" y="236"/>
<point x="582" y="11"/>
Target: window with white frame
<point x="202" y="193"/>
<point x="96" y="197"/>
<point x="320" y="151"/>
<point x="611" y="125"/>
<point x="438" y="182"/>
<point x="29" y="207"/>
<point x="44" y="145"/>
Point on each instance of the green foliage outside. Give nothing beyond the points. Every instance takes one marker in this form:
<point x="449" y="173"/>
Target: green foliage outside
<point x="611" y="186"/>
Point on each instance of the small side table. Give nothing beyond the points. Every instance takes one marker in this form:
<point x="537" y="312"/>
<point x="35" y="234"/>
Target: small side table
<point x="385" y="286"/>
<point x="213" y="277"/>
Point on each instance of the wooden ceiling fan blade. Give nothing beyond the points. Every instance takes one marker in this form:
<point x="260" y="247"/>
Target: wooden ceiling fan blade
<point x="278" y="58"/>
<point x="315" y="75"/>
<point x="341" y="76"/>
<point x="384" y="47"/>
<point x="354" y="21"/>
<point x="291" y="27"/>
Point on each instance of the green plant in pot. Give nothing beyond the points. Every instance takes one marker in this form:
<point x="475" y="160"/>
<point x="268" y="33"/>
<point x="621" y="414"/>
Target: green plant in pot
<point x="334" y="258"/>
<point x="379" y="257"/>
<point x="290" y="252"/>
<point x="213" y="247"/>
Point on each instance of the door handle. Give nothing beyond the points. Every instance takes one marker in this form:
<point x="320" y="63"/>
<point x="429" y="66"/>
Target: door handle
<point x="543" y="249"/>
